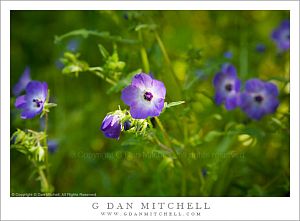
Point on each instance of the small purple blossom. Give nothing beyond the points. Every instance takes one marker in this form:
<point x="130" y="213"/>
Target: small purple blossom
<point x="52" y="146"/>
<point x="259" y="98"/>
<point x="22" y="83"/>
<point x="228" y="54"/>
<point x="145" y="96"/>
<point x="127" y="125"/>
<point x="227" y="87"/>
<point x="111" y="126"/>
<point x="32" y="103"/>
<point x="260" y="47"/>
<point x="73" y="45"/>
<point x="281" y="36"/>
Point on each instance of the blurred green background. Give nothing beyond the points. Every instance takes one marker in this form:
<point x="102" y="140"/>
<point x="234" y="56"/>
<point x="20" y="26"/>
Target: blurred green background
<point x="224" y="153"/>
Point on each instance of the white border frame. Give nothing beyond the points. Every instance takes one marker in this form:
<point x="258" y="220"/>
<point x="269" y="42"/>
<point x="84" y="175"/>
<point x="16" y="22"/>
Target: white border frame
<point x="230" y="208"/>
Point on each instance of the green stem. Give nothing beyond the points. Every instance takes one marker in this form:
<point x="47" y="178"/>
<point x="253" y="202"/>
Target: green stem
<point x="44" y="182"/>
<point x="46" y="144"/>
<point x="85" y="33"/>
<point x="45" y="187"/>
<point x="144" y="55"/>
<point x="166" y="57"/>
<point x="98" y="71"/>
<point x="167" y="138"/>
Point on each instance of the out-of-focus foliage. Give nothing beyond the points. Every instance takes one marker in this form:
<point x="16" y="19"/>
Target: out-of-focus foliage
<point x="220" y="152"/>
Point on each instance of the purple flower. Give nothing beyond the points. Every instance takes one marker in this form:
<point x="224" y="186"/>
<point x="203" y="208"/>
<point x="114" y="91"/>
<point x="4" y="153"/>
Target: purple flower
<point x="52" y="146"/>
<point x="281" y="36"/>
<point x="145" y="96"/>
<point x="73" y="45"/>
<point x="111" y="126"/>
<point x="228" y="54"/>
<point x="260" y="47"/>
<point x="127" y="125"/>
<point x="23" y="81"/>
<point x="32" y="103"/>
<point x="227" y="86"/>
<point x="259" y="98"/>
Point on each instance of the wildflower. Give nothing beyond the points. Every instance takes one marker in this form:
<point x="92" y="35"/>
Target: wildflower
<point x="52" y="146"/>
<point x="281" y="36"/>
<point x="145" y="96"/>
<point x="227" y="86"/>
<point x="228" y="54"/>
<point x="111" y="126"/>
<point x="260" y="48"/>
<point x="259" y="98"/>
<point x="32" y="103"/>
<point x="127" y="125"/>
<point x="22" y="83"/>
<point x="73" y="45"/>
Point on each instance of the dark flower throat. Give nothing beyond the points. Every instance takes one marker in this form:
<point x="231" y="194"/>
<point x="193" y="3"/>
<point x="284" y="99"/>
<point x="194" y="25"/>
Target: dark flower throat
<point x="37" y="102"/>
<point x="148" y="96"/>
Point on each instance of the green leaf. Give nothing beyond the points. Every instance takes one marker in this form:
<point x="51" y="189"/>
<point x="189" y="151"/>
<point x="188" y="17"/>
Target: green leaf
<point x="123" y="82"/>
<point x="103" y="51"/>
<point x="146" y="26"/>
<point x="172" y="104"/>
<point x="212" y="135"/>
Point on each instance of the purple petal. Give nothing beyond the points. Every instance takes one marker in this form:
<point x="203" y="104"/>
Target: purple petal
<point x="159" y="89"/>
<point x="237" y="85"/>
<point x="44" y="91"/>
<point x="159" y="104"/>
<point x="275" y="34"/>
<point x="270" y="105"/>
<point x="285" y="24"/>
<point x="218" y="79"/>
<point x="232" y="102"/>
<point x="271" y="89"/>
<point x="219" y="97"/>
<point x="142" y="81"/>
<point x="113" y="132"/>
<point x="106" y="122"/>
<point x="36" y="89"/>
<point x="23" y="81"/>
<point x="111" y="126"/>
<point x="255" y="113"/>
<point x="254" y="85"/>
<point x="30" y="112"/>
<point x="20" y="101"/>
<point x="142" y="110"/>
<point x="130" y="94"/>
<point x="229" y="70"/>
<point x="52" y="146"/>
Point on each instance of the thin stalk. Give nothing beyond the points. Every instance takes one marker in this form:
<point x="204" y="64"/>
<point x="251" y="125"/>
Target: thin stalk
<point x="167" y="138"/>
<point x="43" y="178"/>
<point x="44" y="181"/>
<point x="166" y="57"/>
<point x="143" y="53"/>
<point x="46" y="145"/>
